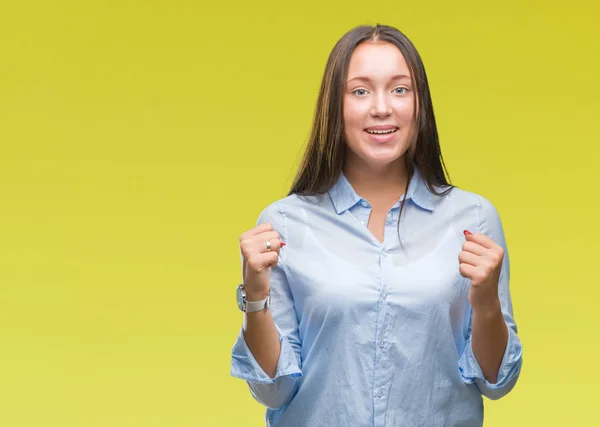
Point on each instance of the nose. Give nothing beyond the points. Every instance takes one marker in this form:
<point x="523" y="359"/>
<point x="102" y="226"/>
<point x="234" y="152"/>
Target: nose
<point x="381" y="106"/>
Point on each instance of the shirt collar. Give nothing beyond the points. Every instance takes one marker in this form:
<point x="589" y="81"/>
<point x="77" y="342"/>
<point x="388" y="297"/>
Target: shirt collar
<point x="344" y="197"/>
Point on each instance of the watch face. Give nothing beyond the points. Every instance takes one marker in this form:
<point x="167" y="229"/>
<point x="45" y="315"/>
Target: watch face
<point x="240" y="297"/>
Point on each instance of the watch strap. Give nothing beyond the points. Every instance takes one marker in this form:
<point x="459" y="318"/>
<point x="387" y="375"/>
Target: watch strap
<point x="254" y="306"/>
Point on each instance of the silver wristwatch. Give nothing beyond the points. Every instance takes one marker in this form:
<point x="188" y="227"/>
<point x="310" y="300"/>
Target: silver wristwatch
<point x="251" y="306"/>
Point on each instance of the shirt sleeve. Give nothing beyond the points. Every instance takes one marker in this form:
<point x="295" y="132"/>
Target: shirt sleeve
<point x="277" y="391"/>
<point x="510" y="368"/>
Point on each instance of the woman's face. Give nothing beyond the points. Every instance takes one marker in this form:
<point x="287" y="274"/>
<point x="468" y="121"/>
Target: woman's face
<point x="378" y="107"/>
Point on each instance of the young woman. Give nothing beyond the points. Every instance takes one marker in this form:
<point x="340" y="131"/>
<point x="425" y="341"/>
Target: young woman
<point x="376" y="294"/>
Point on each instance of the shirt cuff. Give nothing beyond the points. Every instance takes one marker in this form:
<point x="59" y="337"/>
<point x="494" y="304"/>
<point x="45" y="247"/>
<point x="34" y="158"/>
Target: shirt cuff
<point x="507" y="374"/>
<point x="245" y="366"/>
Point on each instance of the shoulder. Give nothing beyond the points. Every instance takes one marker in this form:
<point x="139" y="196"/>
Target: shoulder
<point x="464" y="197"/>
<point x="484" y="211"/>
<point x="278" y="211"/>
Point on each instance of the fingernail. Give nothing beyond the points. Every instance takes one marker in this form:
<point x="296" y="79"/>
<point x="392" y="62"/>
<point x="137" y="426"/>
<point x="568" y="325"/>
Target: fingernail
<point x="283" y="244"/>
<point x="467" y="232"/>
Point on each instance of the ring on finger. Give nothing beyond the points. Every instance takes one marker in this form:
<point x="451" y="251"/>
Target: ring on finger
<point x="268" y="245"/>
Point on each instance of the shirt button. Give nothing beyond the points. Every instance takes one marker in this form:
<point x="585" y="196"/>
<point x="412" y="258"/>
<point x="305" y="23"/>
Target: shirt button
<point x="381" y="344"/>
<point x="364" y="204"/>
<point x="384" y="295"/>
<point x="384" y="253"/>
<point x="380" y="393"/>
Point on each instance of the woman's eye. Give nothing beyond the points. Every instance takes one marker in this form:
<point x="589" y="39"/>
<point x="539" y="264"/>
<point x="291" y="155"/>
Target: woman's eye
<point x="356" y="92"/>
<point x="361" y="92"/>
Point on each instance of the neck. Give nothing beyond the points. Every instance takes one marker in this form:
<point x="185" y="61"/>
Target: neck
<point x="380" y="187"/>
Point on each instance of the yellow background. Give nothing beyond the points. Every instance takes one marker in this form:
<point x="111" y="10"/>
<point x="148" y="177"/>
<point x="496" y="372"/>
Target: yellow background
<point x="138" y="139"/>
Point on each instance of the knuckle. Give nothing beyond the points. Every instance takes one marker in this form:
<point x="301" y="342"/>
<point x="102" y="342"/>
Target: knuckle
<point x="254" y="264"/>
<point x="244" y="245"/>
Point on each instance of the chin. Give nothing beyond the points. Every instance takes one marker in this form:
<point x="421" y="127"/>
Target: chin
<point x="378" y="156"/>
<point x="384" y="156"/>
<point x="381" y="162"/>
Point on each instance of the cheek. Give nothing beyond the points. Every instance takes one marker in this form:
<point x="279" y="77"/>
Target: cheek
<point x="354" y="115"/>
<point x="404" y="110"/>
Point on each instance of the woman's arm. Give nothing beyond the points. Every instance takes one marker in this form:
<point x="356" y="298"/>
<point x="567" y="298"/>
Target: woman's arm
<point x="492" y="356"/>
<point x="266" y="353"/>
<point x="261" y="337"/>
<point x="490" y="336"/>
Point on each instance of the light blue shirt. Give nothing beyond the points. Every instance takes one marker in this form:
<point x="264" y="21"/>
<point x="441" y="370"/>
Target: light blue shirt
<point x="377" y="334"/>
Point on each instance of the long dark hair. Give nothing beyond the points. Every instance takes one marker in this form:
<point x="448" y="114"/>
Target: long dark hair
<point x="323" y="159"/>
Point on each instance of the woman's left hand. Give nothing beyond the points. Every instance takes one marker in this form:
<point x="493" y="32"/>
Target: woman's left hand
<point x="481" y="261"/>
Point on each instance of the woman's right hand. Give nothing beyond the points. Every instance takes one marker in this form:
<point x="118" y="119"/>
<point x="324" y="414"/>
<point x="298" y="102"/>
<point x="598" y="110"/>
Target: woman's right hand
<point x="257" y="260"/>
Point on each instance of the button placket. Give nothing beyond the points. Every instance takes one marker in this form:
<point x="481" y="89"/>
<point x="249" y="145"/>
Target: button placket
<point x="382" y="367"/>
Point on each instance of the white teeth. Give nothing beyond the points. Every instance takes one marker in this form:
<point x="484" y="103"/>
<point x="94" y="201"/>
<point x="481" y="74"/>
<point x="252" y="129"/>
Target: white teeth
<point x="381" y="132"/>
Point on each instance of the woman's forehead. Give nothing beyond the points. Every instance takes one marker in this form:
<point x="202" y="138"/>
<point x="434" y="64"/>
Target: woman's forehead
<point x="374" y="61"/>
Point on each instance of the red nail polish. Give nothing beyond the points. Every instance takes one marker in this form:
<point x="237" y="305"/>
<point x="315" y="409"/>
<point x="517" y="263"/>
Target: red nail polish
<point x="467" y="232"/>
<point x="283" y="244"/>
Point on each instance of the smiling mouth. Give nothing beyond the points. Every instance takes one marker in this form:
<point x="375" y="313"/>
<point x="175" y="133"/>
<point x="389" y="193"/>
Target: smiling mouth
<point x="381" y="132"/>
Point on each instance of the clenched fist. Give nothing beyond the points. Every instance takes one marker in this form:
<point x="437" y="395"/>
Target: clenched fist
<point x="481" y="261"/>
<point x="260" y="251"/>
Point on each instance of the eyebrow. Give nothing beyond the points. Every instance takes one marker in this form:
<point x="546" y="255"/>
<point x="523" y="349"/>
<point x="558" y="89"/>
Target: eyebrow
<point x="368" y="79"/>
